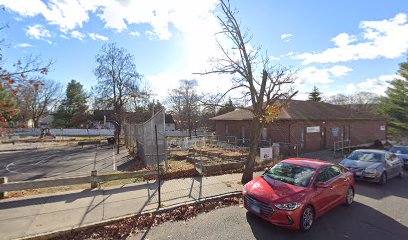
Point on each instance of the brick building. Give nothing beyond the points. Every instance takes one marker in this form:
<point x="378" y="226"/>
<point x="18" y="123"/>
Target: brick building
<point x="308" y="125"/>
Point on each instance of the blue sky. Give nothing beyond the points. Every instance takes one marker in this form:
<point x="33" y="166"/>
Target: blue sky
<point x="339" y="46"/>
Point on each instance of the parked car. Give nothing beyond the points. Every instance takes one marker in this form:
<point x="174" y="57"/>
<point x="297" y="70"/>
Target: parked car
<point x="373" y="165"/>
<point x="296" y="191"/>
<point x="402" y="153"/>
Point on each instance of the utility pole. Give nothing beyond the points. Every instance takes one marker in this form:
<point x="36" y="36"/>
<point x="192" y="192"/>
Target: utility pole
<point x="153" y="108"/>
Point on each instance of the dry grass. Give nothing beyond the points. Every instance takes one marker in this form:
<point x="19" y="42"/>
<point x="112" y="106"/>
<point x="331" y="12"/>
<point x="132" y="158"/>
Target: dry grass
<point x="180" y="165"/>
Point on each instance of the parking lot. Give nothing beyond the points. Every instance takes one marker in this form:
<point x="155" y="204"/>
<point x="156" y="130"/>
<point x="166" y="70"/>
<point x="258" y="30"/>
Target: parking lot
<point x="379" y="212"/>
<point x="59" y="161"/>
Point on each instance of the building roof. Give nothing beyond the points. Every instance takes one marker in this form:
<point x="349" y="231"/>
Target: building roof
<point x="168" y="118"/>
<point x="304" y="110"/>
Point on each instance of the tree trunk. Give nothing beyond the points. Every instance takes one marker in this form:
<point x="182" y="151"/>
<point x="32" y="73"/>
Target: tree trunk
<point x="35" y="121"/>
<point x="118" y="137"/>
<point x="250" y="163"/>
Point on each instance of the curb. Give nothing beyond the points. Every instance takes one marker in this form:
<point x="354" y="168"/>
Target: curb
<point x="60" y="233"/>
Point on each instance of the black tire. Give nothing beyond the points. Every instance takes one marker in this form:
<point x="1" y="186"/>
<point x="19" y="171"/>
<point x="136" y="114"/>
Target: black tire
<point x="401" y="174"/>
<point x="383" y="179"/>
<point x="307" y="218"/>
<point x="349" y="196"/>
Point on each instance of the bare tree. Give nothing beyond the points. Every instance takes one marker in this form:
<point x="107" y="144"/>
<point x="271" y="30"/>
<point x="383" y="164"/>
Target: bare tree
<point x="116" y="74"/>
<point x="36" y="103"/>
<point x="184" y="103"/>
<point x="268" y="91"/>
<point x="27" y="73"/>
<point x="359" y="101"/>
<point x="139" y="96"/>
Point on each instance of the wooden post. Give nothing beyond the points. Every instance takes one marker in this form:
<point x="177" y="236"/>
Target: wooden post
<point x="3" y="180"/>
<point x="94" y="182"/>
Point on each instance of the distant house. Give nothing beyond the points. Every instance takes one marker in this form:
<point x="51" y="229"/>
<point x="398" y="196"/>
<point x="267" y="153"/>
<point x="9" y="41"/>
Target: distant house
<point x="46" y="121"/>
<point x="170" y="125"/>
<point x="101" y="119"/>
<point x="99" y="116"/>
<point x="308" y="125"/>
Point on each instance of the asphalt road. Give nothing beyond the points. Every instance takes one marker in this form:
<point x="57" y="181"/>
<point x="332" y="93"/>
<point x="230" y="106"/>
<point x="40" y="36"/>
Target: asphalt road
<point x="57" y="161"/>
<point x="378" y="213"/>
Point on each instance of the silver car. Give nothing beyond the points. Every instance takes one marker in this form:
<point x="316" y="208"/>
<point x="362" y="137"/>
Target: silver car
<point x="401" y="152"/>
<point x="373" y="165"/>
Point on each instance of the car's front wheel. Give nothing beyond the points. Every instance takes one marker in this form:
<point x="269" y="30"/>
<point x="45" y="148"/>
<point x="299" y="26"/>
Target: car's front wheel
<point x="349" y="196"/>
<point x="307" y="218"/>
<point x="401" y="174"/>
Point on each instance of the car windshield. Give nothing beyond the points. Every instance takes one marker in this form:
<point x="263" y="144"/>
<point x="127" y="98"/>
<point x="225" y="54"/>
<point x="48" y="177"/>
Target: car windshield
<point x="291" y="173"/>
<point x="366" y="156"/>
<point x="399" y="150"/>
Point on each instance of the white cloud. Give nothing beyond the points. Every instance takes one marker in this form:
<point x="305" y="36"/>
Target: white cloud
<point x="151" y="35"/>
<point x="38" y="32"/>
<point x="63" y="36"/>
<point x="376" y="85"/>
<point x="313" y="75"/>
<point x="351" y="88"/>
<point x="78" y="35"/>
<point x="183" y="15"/>
<point x="24" y="45"/>
<point x="96" y="36"/>
<point x="273" y="58"/>
<point x="343" y="39"/>
<point x="286" y="37"/>
<point x="135" y="34"/>
<point x="381" y="39"/>
<point x="21" y="7"/>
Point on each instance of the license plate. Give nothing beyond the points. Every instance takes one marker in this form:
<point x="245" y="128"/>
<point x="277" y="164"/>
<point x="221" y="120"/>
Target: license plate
<point x="357" y="173"/>
<point x="255" y="209"/>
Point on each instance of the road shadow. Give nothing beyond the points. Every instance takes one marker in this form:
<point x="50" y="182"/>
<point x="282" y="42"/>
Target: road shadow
<point x="358" y="221"/>
<point x="72" y="196"/>
<point x="394" y="187"/>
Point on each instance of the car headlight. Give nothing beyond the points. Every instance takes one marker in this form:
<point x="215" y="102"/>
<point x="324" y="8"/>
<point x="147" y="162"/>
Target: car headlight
<point x="288" y="206"/>
<point x="370" y="170"/>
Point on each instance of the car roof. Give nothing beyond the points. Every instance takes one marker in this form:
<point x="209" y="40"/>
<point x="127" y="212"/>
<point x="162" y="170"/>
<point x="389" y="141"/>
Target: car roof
<point x="400" y="146"/>
<point x="370" y="150"/>
<point x="308" y="162"/>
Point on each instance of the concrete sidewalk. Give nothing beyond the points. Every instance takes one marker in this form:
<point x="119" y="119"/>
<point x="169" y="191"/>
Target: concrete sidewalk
<point x="22" y="217"/>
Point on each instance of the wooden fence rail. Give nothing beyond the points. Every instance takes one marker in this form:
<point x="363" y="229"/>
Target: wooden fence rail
<point x="93" y="179"/>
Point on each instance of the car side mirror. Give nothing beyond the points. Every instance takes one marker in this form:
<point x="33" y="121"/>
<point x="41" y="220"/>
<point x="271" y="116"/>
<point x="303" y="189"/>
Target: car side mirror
<point x="321" y="185"/>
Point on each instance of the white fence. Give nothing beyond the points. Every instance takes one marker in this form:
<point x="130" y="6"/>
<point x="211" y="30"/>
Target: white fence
<point x="64" y="132"/>
<point x="187" y="143"/>
<point x="177" y="133"/>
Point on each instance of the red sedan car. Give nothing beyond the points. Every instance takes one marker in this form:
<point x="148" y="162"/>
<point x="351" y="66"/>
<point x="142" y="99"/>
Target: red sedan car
<point x="296" y="191"/>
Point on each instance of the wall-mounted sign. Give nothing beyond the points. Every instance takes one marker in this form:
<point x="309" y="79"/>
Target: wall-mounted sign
<point x="314" y="129"/>
<point x="382" y="128"/>
<point x="266" y="153"/>
<point x="335" y="131"/>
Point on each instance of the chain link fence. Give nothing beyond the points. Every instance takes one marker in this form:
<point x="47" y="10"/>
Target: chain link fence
<point x="148" y="139"/>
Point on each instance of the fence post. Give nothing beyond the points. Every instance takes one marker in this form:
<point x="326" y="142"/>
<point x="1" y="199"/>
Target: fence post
<point x="3" y="180"/>
<point x="158" y="165"/>
<point x="94" y="181"/>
